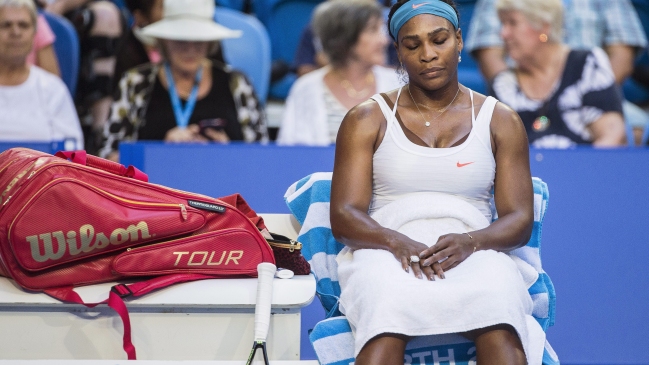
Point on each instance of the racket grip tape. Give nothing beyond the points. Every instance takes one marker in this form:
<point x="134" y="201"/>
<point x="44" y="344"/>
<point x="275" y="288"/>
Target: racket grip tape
<point x="266" y="272"/>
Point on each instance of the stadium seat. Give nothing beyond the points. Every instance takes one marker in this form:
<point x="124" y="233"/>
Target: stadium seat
<point x="285" y="20"/>
<point x="251" y="53"/>
<point x="66" y="47"/>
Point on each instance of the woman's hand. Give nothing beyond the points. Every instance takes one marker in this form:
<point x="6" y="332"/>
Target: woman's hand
<point x="189" y="134"/>
<point x="216" y="135"/>
<point x="449" y="251"/>
<point x="403" y="251"/>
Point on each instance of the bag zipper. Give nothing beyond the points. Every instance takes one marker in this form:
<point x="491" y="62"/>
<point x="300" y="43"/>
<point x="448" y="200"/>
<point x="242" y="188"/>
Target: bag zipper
<point x="292" y="246"/>
<point x="15" y="181"/>
<point x="223" y="231"/>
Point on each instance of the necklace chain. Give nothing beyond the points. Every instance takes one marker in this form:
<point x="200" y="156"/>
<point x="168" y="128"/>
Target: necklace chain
<point x="427" y="124"/>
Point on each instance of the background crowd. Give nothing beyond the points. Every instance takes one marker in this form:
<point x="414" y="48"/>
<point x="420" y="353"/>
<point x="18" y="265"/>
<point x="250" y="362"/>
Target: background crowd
<point x="576" y="71"/>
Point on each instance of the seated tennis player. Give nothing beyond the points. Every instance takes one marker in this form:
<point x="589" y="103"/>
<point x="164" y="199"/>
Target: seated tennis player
<point x="428" y="138"/>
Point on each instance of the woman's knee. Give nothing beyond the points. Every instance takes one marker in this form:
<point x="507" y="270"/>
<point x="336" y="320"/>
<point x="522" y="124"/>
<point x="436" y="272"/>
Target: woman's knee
<point x="499" y="344"/>
<point x="384" y="349"/>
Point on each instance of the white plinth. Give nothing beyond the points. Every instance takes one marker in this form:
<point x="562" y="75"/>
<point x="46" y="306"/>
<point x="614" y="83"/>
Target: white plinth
<point x="202" y="320"/>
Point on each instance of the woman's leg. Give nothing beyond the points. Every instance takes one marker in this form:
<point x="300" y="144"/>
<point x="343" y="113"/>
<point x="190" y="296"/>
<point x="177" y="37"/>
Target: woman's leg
<point x="385" y="349"/>
<point x="498" y="345"/>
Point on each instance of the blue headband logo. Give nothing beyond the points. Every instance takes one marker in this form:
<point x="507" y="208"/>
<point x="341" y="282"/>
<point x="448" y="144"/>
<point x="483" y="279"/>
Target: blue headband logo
<point x="438" y="8"/>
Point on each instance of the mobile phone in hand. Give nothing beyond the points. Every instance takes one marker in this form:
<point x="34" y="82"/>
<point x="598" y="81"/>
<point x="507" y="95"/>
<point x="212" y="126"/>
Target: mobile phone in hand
<point x="213" y="129"/>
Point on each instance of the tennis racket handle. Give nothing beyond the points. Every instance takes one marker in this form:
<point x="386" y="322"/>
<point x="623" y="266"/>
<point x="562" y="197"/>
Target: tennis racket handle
<point x="266" y="272"/>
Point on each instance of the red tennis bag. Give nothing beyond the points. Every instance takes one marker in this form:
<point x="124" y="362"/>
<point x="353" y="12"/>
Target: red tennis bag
<point x="73" y="219"/>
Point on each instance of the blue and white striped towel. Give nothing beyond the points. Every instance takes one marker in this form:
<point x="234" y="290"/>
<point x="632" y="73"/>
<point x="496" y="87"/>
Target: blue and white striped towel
<point x="308" y="200"/>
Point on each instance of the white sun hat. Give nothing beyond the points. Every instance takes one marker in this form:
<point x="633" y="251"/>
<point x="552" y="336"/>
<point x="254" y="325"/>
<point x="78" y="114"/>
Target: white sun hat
<point x="189" y="20"/>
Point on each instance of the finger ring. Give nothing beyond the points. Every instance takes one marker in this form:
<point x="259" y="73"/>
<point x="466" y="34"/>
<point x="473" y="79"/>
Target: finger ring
<point x="414" y="258"/>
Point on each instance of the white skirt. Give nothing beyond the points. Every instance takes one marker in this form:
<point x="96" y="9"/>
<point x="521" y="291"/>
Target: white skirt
<point x="378" y="296"/>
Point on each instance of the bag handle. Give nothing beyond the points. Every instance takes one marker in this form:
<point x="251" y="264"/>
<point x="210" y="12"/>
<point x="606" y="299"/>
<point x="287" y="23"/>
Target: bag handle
<point x="119" y="292"/>
<point x="82" y="158"/>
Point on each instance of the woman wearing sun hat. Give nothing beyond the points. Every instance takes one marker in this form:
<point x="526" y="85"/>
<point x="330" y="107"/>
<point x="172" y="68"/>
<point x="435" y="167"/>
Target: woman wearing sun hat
<point x="185" y="97"/>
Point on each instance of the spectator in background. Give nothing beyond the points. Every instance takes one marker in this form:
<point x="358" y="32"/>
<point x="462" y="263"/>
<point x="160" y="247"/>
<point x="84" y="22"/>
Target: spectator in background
<point x="36" y="105"/>
<point x="640" y="76"/>
<point x="186" y="97"/>
<point x="138" y="49"/>
<point x="564" y="97"/>
<point x="353" y="37"/>
<point x="612" y="25"/>
<point x="309" y="55"/>
<point x="100" y="25"/>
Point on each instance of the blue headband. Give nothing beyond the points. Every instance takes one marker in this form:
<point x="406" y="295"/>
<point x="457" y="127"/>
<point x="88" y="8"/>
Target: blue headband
<point x="414" y="8"/>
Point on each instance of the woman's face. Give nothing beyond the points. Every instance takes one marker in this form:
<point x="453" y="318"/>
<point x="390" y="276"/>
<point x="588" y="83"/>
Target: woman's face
<point x="16" y="34"/>
<point x="372" y="42"/>
<point x="185" y="56"/>
<point x="520" y="37"/>
<point x="429" y="47"/>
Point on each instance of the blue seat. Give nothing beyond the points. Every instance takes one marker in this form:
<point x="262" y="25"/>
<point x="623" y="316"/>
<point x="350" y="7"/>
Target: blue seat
<point x="285" y="20"/>
<point x="66" y="47"/>
<point x="251" y="52"/>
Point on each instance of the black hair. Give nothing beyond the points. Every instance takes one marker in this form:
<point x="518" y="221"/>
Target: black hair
<point x="144" y="6"/>
<point x="400" y="3"/>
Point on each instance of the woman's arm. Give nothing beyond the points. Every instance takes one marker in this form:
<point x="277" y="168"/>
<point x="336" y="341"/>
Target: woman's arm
<point x="61" y="7"/>
<point x="601" y="104"/>
<point x="513" y="195"/>
<point x="120" y="125"/>
<point x="351" y="190"/>
<point x="608" y="130"/>
<point x="250" y="112"/>
<point x="46" y="59"/>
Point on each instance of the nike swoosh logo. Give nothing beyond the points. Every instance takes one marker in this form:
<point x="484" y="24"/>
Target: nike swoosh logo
<point x="463" y="164"/>
<point x="415" y="6"/>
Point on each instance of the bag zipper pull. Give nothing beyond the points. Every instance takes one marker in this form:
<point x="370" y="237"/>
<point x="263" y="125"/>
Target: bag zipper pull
<point x="183" y="211"/>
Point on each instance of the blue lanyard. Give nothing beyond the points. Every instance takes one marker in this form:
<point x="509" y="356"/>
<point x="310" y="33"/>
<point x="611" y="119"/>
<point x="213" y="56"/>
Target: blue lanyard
<point x="183" y="115"/>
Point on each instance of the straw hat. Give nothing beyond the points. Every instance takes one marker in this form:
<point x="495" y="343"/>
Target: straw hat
<point x="189" y="20"/>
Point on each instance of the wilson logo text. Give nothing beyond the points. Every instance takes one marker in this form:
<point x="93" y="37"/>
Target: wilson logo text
<point x="52" y="246"/>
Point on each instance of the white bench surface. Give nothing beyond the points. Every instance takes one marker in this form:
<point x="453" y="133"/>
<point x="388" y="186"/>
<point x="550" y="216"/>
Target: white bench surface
<point x="296" y="292"/>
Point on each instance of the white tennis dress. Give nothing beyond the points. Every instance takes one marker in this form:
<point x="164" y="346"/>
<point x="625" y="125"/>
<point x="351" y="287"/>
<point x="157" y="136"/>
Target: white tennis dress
<point x="425" y="192"/>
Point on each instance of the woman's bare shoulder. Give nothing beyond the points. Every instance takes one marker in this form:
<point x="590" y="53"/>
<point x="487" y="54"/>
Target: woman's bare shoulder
<point x="367" y="113"/>
<point x="362" y="122"/>
<point x="507" y="126"/>
<point x="505" y="117"/>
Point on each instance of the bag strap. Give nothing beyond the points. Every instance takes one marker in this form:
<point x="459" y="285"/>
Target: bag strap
<point x="119" y="292"/>
<point x="82" y="158"/>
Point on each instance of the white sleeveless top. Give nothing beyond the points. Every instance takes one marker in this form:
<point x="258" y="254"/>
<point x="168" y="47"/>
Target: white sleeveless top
<point x="401" y="167"/>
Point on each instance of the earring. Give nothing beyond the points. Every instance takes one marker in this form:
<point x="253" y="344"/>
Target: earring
<point x="459" y="59"/>
<point x="543" y="37"/>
